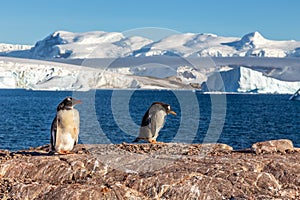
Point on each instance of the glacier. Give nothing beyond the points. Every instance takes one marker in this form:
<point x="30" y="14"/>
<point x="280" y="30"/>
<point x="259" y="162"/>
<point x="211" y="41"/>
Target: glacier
<point x="46" y="75"/>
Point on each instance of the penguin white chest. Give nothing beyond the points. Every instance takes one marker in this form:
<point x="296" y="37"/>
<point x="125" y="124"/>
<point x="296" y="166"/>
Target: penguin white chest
<point x="158" y="119"/>
<point x="66" y="142"/>
<point x="67" y="130"/>
<point x="68" y="119"/>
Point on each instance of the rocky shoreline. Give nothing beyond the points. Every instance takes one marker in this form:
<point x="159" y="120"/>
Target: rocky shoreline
<point x="269" y="170"/>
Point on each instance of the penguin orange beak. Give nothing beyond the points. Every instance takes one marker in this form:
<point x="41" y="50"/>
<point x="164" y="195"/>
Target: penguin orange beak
<point x="172" y="112"/>
<point x="75" y="102"/>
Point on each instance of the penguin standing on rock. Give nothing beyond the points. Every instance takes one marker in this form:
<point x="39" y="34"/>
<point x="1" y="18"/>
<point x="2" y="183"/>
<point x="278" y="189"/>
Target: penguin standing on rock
<point x="65" y="126"/>
<point x="153" y="121"/>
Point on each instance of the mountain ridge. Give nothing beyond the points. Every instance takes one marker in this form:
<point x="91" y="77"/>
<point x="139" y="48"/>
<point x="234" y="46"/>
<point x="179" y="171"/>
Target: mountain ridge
<point x="101" y="44"/>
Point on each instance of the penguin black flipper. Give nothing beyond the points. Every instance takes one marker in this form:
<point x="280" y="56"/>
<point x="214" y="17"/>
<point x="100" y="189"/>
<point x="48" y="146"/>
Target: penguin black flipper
<point x="145" y="122"/>
<point x="146" y="119"/>
<point x="53" y="134"/>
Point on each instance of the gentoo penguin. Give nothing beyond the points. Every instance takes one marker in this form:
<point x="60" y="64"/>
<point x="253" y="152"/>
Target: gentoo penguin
<point x="65" y="126"/>
<point x="153" y="121"/>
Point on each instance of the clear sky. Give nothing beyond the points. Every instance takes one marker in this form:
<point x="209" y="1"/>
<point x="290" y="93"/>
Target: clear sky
<point x="27" y="21"/>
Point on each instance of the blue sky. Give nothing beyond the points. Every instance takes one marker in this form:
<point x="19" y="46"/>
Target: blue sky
<point x="26" y="21"/>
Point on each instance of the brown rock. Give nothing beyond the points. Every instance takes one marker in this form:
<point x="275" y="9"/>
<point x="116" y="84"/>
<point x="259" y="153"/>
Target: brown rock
<point x="273" y="146"/>
<point x="149" y="171"/>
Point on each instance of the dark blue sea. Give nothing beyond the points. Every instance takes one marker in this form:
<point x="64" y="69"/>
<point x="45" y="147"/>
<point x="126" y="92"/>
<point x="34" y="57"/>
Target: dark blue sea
<point x="114" y="116"/>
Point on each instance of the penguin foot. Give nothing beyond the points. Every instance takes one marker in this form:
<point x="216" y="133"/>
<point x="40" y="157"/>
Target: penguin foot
<point x="155" y="142"/>
<point x="152" y="141"/>
<point x="63" y="152"/>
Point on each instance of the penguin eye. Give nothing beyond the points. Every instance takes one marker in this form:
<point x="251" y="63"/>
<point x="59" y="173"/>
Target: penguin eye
<point x="69" y="99"/>
<point x="169" y="108"/>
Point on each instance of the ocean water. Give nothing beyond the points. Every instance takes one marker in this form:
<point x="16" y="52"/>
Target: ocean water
<point x="114" y="116"/>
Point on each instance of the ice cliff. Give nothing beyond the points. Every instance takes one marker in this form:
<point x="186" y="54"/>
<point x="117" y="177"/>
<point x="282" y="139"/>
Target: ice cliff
<point x="245" y="80"/>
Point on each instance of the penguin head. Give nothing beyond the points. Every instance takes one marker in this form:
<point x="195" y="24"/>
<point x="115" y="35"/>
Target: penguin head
<point x="166" y="107"/>
<point x="68" y="103"/>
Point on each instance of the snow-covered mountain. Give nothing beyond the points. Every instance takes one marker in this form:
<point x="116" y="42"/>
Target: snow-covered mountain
<point x="100" y="44"/>
<point x="97" y="44"/>
<point x="190" y="44"/>
<point x="261" y="76"/>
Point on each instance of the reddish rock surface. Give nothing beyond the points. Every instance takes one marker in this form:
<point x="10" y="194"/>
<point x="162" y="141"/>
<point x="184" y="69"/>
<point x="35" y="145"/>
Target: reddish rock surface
<point x="150" y="171"/>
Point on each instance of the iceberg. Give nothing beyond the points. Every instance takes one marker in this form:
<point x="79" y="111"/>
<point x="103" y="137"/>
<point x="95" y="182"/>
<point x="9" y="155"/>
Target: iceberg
<point x="246" y="80"/>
